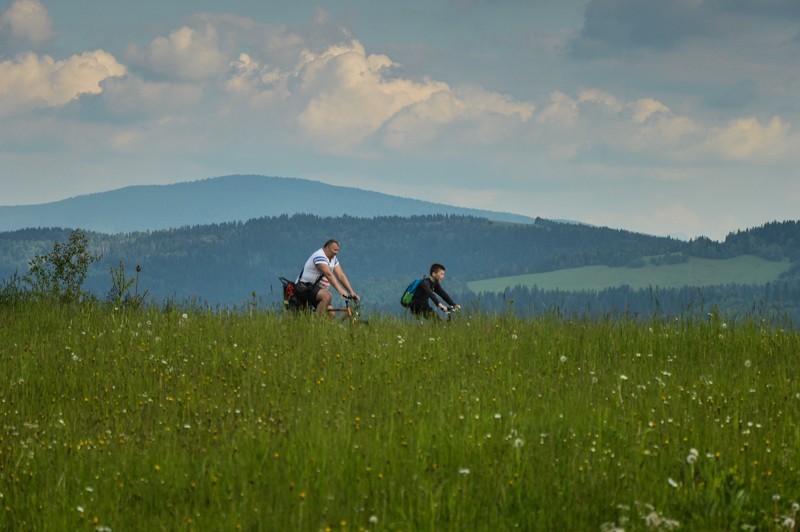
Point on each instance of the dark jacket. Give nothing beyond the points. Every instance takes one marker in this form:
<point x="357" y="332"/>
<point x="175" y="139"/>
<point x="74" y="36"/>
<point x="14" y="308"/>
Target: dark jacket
<point x="429" y="289"/>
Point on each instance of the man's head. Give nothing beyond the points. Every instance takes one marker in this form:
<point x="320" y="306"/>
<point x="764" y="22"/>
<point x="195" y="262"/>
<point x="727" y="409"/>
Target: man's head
<point x="437" y="271"/>
<point x="331" y="248"/>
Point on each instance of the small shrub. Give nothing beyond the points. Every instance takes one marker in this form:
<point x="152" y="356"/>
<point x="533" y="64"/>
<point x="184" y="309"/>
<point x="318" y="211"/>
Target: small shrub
<point x="120" y="293"/>
<point x="60" y="273"/>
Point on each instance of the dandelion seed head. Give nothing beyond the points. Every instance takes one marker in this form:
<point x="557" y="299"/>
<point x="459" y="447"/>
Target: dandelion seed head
<point x="463" y="471"/>
<point x="672" y="482"/>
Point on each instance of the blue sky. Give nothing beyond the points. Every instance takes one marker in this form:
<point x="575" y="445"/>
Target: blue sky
<point x="671" y="117"/>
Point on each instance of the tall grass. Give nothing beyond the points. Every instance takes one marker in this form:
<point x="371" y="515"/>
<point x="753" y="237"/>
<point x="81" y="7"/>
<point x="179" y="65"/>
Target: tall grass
<point x="112" y="419"/>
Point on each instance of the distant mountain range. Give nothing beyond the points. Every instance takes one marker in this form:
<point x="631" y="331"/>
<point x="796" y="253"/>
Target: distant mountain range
<point x="231" y="198"/>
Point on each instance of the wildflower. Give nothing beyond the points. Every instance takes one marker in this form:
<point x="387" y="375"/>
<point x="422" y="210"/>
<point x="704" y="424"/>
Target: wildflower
<point x="498" y="415"/>
<point x="747" y="363"/>
<point x="672" y="482"/>
<point x="623" y="377"/>
<point x="373" y="519"/>
<point x="463" y="471"/>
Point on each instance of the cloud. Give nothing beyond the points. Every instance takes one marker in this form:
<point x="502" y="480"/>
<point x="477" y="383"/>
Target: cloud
<point x="27" y="22"/>
<point x="348" y="96"/>
<point x="645" y="108"/>
<point x="353" y="96"/>
<point x="562" y="110"/>
<point x="612" y="27"/>
<point x="749" y="139"/>
<point x="596" y="126"/>
<point x="30" y="81"/>
<point x="187" y="54"/>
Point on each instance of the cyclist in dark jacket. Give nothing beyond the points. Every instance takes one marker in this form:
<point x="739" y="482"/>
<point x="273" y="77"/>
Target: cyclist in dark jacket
<point x="429" y="288"/>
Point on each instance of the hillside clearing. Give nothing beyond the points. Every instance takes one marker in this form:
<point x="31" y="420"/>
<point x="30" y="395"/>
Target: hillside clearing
<point x="745" y="269"/>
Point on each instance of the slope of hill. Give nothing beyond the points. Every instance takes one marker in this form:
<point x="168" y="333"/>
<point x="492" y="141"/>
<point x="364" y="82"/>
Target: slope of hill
<point x="235" y="198"/>
<point x="695" y="271"/>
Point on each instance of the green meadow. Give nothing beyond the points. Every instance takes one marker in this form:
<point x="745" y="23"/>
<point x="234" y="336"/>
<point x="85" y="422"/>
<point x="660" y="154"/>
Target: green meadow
<point x="192" y="419"/>
<point x="744" y="269"/>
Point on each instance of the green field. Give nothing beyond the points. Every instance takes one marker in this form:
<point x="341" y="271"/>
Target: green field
<point x="745" y="269"/>
<point x="114" y="419"/>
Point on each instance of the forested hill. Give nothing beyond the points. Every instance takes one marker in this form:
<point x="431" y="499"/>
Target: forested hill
<point x="233" y="198"/>
<point x="226" y="263"/>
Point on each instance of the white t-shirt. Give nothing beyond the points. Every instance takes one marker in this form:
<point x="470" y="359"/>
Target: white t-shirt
<point x="311" y="273"/>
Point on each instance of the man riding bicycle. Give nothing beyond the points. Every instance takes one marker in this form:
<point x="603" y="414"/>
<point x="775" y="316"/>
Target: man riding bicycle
<point x="428" y="289"/>
<point x="322" y="270"/>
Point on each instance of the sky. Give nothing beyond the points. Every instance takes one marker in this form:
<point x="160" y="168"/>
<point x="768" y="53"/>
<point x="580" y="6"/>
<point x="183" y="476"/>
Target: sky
<point x="665" y="117"/>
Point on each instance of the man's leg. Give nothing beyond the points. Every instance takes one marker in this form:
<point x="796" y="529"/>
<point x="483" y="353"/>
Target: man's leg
<point x="324" y="302"/>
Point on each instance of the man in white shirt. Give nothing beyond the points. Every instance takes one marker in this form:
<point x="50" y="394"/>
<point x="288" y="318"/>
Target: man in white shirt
<point x="321" y="270"/>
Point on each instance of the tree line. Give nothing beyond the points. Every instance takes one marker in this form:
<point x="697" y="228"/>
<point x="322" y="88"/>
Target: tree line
<point x="230" y="264"/>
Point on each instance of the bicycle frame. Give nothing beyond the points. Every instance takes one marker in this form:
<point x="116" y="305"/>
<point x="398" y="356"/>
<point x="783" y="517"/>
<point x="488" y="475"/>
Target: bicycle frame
<point x="346" y="309"/>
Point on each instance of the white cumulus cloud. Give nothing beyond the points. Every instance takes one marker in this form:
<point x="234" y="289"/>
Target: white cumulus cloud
<point x="30" y="81"/>
<point x="353" y="96"/>
<point x="27" y="22"/>
<point x="186" y="54"/>
<point x="350" y="98"/>
<point x="748" y="138"/>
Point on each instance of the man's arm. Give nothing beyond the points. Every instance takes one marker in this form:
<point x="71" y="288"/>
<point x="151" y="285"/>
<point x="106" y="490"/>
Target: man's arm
<point x="325" y="270"/>
<point x="345" y="282"/>
<point x="441" y="291"/>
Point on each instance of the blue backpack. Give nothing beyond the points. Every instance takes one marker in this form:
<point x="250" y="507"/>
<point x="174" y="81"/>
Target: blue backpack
<point x="408" y="294"/>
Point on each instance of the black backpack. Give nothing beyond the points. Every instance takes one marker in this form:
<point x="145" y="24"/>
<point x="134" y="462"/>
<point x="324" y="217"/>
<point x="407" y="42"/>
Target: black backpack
<point x="290" y="299"/>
